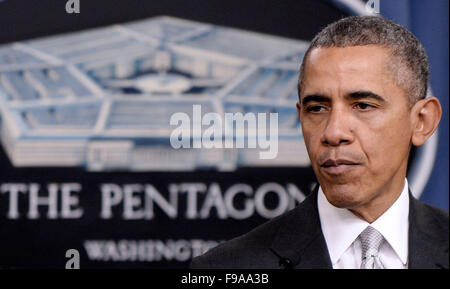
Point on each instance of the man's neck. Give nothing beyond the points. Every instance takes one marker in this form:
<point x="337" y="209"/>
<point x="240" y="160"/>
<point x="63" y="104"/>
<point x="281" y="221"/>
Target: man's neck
<point x="380" y="203"/>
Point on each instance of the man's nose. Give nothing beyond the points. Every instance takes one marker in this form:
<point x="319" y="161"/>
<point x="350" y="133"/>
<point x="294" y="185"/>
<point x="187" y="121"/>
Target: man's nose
<point x="338" y="130"/>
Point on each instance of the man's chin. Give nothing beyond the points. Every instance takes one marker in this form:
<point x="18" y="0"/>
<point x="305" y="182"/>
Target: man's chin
<point x="344" y="203"/>
<point x="343" y="196"/>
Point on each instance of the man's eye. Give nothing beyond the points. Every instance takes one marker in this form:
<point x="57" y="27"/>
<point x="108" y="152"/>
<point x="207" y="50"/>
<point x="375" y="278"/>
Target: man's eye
<point x="314" y="108"/>
<point x="363" y="106"/>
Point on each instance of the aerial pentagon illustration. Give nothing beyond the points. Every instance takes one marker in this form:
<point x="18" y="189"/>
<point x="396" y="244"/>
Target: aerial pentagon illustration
<point x="103" y="98"/>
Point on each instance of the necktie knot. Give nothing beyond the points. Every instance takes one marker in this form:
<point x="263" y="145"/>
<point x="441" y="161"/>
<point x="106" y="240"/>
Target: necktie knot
<point x="371" y="241"/>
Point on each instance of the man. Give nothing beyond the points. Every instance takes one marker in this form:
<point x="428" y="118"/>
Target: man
<point x="362" y="104"/>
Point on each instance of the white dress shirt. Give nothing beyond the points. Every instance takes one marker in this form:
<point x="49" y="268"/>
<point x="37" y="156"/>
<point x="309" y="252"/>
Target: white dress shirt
<point x="341" y="229"/>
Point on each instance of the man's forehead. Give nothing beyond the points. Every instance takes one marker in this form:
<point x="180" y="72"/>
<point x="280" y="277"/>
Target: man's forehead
<point x="355" y="68"/>
<point x="351" y="55"/>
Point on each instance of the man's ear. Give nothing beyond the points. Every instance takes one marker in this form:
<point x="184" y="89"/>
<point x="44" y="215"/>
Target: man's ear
<point x="299" y="109"/>
<point x="427" y="113"/>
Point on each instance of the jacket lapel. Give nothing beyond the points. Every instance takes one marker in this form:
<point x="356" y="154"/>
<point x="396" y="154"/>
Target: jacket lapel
<point x="427" y="246"/>
<point x="300" y="238"/>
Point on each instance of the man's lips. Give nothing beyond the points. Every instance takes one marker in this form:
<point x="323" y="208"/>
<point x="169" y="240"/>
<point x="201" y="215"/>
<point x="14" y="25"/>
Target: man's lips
<point x="338" y="166"/>
<point x="338" y="162"/>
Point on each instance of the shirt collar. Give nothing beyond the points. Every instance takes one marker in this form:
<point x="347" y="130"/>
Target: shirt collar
<point x="341" y="227"/>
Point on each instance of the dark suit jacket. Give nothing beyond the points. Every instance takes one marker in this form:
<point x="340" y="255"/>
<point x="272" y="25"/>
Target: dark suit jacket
<point x="295" y="240"/>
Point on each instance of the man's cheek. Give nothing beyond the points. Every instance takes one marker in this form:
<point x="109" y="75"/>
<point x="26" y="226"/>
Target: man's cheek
<point x="313" y="148"/>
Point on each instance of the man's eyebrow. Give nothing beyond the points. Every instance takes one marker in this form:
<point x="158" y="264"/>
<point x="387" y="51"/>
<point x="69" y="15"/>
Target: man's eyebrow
<point x="355" y="95"/>
<point x="362" y="94"/>
<point x="315" y="97"/>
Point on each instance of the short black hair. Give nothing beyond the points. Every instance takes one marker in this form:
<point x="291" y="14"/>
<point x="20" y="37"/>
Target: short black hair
<point x="409" y="59"/>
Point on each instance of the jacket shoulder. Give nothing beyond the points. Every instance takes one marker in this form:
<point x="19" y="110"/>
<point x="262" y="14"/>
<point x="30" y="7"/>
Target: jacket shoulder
<point x="436" y="219"/>
<point x="250" y="250"/>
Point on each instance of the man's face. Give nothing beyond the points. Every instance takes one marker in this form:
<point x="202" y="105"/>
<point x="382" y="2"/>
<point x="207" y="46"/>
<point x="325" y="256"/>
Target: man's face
<point x="356" y="124"/>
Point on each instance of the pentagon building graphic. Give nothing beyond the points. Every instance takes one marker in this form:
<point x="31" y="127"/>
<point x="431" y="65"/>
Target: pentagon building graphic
<point x="102" y="98"/>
